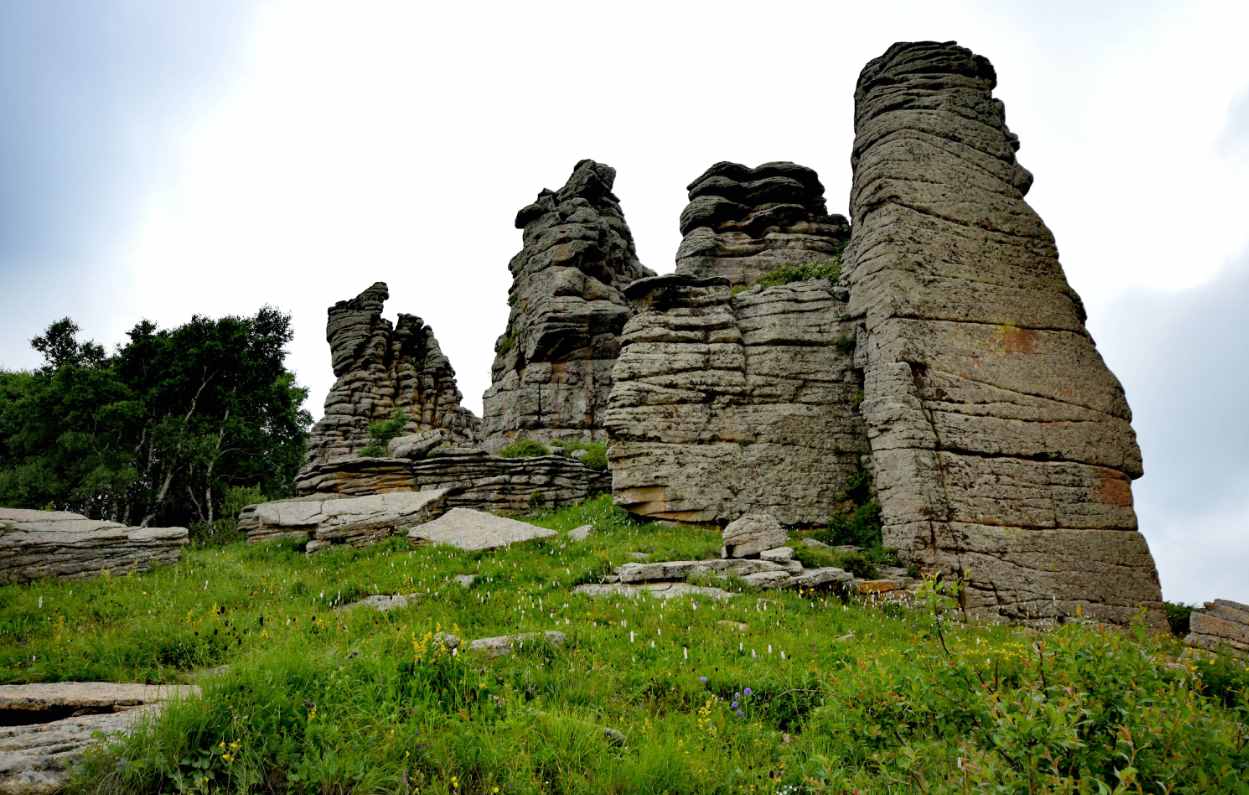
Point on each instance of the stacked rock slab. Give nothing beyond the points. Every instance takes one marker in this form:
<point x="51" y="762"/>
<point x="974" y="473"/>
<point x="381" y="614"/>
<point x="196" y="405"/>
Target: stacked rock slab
<point x="380" y="369"/>
<point x="472" y="478"/>
<point x="743" y="222"/>
<point x="728" y="404"/>
<point x="1220" y="626"/>
<point x="552" y="368"/>
<point x="35" y="544"/>
<point x="1001" y="443"/>
<point x="325" y="520"/>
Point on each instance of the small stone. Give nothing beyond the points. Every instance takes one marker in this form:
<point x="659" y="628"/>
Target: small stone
<point x="383" y="603"/>
<point x="580" y="533"/>
<point x="751" y="534"/>
<point x="465" y="580"/>
<point x="734" y="625"/>
<point x="503" y="645"/>
<point x="777" y="554"/>
<point x="614" y="737"/>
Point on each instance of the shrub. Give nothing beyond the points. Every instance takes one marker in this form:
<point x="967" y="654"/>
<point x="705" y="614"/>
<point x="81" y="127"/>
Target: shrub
<point x="595" y="452"/>
<point x="802" y="271"/>
<point x="1177" y="616"/>
<point x="524" y="447"/>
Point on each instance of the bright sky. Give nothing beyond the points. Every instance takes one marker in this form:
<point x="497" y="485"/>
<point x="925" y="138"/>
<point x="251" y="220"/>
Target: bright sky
<point x="210" y="157"/>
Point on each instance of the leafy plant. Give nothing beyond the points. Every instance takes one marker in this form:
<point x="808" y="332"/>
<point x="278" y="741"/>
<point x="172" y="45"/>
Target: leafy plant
<point x="802" y="271"/>
<point x="524" y="447"/>
<point x="1178" y="614"/>
<point x="595" y="455"/>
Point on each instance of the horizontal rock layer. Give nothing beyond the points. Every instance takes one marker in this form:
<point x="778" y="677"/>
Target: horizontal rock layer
<point x="728" y="404"/>
<point x="382" y="369"/>
<point x="1001" y="444"/>
<point x="743" y="222"/>
<point x="472" y="479"/>
<point x="553" y="365"/>
<point x="1220" y="626"/>
<point x="35" y="544"/>
<point x="322" y="520"/>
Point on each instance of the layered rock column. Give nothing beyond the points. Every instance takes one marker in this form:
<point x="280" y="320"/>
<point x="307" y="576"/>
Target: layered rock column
<point x="743" y="222"/>
<point x="1001" y="443"/>
<point x="380" y="369"/>
<point x="726" y="404"/>
<point x="552" y="368"/>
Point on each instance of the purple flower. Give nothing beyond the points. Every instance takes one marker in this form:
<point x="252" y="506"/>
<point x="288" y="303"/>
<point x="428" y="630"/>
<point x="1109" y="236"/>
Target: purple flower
<point x="748" y="691"/>
<point x="734" y="705"/>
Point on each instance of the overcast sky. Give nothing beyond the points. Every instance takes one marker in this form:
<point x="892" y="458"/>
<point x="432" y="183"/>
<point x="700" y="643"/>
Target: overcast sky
<point x="162" y="159"/>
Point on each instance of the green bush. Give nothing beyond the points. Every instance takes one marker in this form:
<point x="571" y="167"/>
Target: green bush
<point x="595" y="452"/>
<point x="1177" y="617"/>
<point x="802" y="271"/>
<point x="524" y="447"/>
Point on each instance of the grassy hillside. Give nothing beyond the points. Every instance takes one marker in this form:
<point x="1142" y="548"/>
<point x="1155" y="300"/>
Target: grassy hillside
<point x="767" y="692"/>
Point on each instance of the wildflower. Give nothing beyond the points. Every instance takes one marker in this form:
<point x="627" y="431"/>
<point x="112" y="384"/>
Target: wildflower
<point x="747" y="691"/>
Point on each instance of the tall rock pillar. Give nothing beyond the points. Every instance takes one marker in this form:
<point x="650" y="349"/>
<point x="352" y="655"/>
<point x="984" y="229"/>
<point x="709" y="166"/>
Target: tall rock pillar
<point x="1001" y="444"/>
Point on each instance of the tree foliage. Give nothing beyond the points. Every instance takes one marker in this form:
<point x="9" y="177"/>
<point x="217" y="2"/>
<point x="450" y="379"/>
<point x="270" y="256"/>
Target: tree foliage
<point x="156" y="432"/>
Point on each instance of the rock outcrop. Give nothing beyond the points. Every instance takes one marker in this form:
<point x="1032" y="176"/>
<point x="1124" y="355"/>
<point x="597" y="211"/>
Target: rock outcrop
<point x="743" y="222"/>
<point x="472" y="478"/>
<point x="46" y="728"/>
<point x="322" y="521"/>
<point x="35" y="544"/>
<point x="383" y="369"/>
<point x="553" y="365"/>
<point x="1220" y="626"/>
<point x="466" y="528"/>
<point x="1001" y="444"/>
<point x="727" y="404"/>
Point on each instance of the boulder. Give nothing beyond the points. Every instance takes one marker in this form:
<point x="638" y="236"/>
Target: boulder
<point x="383" y="369"/>
<point x="504" y="645"/>
<point x="1001" y="444"/>
<point x="552" y="369"/>
<point x="416" y="445"/>
<point x="324" y="520"/>
<point x="729" y="403"/>
<point x="383" y="603"/>
<point x="743" y="222"/>
<point x="580" y="533"/>
<point x="35" y="544"/>
<point x="1220" y="626"/>
<point x="469" y="529"/>
<point x="750" y="535"/>
<point x="46" y="728"/>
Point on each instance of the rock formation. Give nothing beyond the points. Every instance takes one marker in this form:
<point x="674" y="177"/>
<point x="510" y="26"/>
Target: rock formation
<point x="727" y="404"/>
<point x="325" y="520"/>
<point x="743" y="222"/>
<point x="466" y="528"/>
<point x="552" y="367"/>
<point x="1001" y="444"/>
<point x="35" y="544"/>
<point x="473" y="479"/>
<point x="382" y="369"/>
<point x="1220" y="626"/>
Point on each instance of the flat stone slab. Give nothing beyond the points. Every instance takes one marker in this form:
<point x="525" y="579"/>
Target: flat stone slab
<point x="580" y="533"/>
<point x="36" y="544"/>
<point x="466" y="528"/>
<point x="659" y="590"/>
<point x="383" y="602"/>
<point x="1221" y="625"/>
<point x="325" y="520"/>
<point x="503" y="645"/>
<point x="684" y="569"/>
<point x="38" y="750"/>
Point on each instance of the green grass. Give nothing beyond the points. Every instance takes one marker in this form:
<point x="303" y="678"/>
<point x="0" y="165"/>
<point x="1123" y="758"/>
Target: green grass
<point x="802" y="271"/>
<point x="323" y="701"/>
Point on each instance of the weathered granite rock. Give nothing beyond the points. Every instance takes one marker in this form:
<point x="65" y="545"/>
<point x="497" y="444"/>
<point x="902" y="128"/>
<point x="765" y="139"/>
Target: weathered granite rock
<point x="416" y="445"/>
<point x="1220" y="626"/>
<point x="659" y="590"/>
<point x="469" y="529"/>
<point x="750" y="534"/>
<point x="684" y="569"/>
<point x="36" y="544"/>
<point x="1001" y="444"/>
<point x="777" y="554"/>
<point x="382" y="369"/>
<point x="553" y="365"/>
<point x="324" y="520"/>
<point x="473" y="479"/>
<point x="502" y="645"/>
<point x="45" y="728"/>
<point x="727" y="404"/>
<point x="383" y="603"/>
<point x="580" y="533"/>
<point x="743" y="222"/>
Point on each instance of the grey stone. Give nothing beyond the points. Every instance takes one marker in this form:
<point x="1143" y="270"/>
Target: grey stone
<point x="614" y="737"/>
<point x="37" y="754"/>
<point x="465" y="580"/>
<point x="384" y="603"/>
<point x="659" y="590"/>
<point x="1001" y="443"/>
<point x="35" y="544"/>
<point x="777" y="555"/>
<point x="822" y="577"/>
<point x="383" y="368"/>
<point x="325" y="520"/>
<point x="415" y="445"/>
<point x="751" y="534"/>
<point x="768" y="579"/>
<point x="684" y="569"/>
<point x="725" y="404"/>
<point x="1220" y="626"/>
<point x="505" y="644"/>
<point x="466" y="528"/>
<point x="743" y="222"/>
<point x="581" y="533"/>
<point x="473" y="479"/>
<point x="552" y="370"/>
